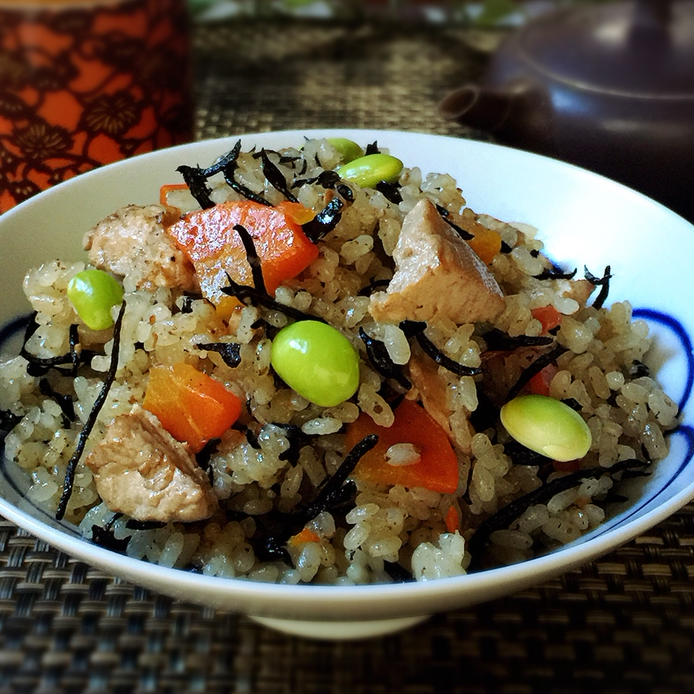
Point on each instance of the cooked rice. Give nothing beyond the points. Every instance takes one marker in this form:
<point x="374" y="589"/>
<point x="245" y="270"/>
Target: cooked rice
<point x="386" y="525"/>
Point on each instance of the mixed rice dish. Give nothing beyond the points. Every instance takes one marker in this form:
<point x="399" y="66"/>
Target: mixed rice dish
<point x="317" y="365"/>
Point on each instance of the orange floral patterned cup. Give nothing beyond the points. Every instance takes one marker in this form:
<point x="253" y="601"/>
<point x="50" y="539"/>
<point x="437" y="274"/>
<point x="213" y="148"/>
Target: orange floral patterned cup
<point x="84" y="83"/>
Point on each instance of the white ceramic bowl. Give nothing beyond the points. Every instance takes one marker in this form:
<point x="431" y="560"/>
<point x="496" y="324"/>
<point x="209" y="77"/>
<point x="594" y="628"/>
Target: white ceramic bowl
<point x="583" y="219"/>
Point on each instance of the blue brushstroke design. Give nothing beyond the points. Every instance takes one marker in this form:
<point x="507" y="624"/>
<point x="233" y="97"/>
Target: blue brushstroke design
<point x="13" y="327"/>
<point x="678" y="329"/>
<point x="688" y="433"/>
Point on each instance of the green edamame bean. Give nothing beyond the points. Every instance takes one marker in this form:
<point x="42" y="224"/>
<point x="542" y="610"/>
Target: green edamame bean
<point x="369" y="170"/>
<point x="317" y="361"/>
<point x="347" y="149"/>
<point x="547" y="426"/>
<point x="93" y="293"/>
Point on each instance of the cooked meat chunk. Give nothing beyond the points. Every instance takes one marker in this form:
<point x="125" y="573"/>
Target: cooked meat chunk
<point x="437" y="275"/>
<point x="133" y="241"/>
<point x="432" y="388"/>
<point x="142" y="471"/>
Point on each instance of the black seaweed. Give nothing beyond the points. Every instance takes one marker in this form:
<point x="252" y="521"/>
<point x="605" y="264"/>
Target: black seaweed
<point x="196" y="180"/>
<point x="496" y="339"/>
<point x="325" y="221"/>
<point x="397" y="572"/>
<point x="573" y="404"/>
<point x="275" y="529"/>
<point x="505" y="247"/>
<point x="416" y="329"/>
<point x="445" y="215"/>
<point x="39" y="366"/>
<point x="252" y="258"/>
<point x="297" y="440"/>
<point x="372" y="148"/>
<point x="243" y="292"/>
<point x="252" y="439"/>
<point x="556" y="273"/>
<point x="330" y="491"/>
<point x="345" y="191"/>
<point x="64" y="401"/>
<point x="228" y="167"/>
<point x="520" y="455"/>
<point x="133" y="524"/>
<point x="274" y="176"/>
<point x="327" y="179"/>
<point x="602" y="282"/>
<point x="229" y="351"/>
<point x="202" y="457"/>
<point x="391" y="191"/>
<point x="638" y="369"/>
<point x="105" y="538"/>
<point x="91" y="420"/>
<point x="269" y="329"/>
<point x="535" y="368"/>
<point x="486" y="414"/>
<point x="286" y="159"/>
<point x="381" y="361"/>
<point x="187" y="303"/>
<point x="506" y="515"/>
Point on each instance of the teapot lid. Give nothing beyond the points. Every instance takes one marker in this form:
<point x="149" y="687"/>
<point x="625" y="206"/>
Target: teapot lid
<point x="642" y="48"/>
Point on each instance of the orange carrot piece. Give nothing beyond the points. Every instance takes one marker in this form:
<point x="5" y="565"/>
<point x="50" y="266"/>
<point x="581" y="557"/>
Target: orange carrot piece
<point x="486" y="243"/>
<point x="296" y="211"/>
<point x="192" y="406"/>
<point x="452" y="519"/>
<point x="305" y="535"/>
<point x="548" y="316"/>
<point x="437" y="468"/>
<point x="167" y="188"/>
<point x="215" y="248"/>
<point x="540" y="382"/>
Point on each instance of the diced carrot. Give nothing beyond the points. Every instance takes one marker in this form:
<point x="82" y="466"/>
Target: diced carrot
<point x="540" y="382"/>
<point x="296" y="211"/>
<point x="437" y="468"/>
<point x="486" y="243"/>
<point x="452" y="519"/>
<point x="548" y="316"/>
<point x="192" y="406"/>
<point x="215" y="248"/>
<point x="305" y="535"/>
<point x="167" y="188"/>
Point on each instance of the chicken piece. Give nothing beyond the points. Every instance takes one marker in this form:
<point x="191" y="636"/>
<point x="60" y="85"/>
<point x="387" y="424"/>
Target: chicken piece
<point x="437" y="275"/>
<point x="429" y="386"/>
<point x="132" y="241"/>
<point x="142" y="471"/>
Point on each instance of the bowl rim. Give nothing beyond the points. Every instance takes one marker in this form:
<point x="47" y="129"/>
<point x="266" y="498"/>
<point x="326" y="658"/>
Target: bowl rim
<point x="380" y="597"/>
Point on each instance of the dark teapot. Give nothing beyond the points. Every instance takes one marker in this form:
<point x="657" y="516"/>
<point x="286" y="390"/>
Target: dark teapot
<point x="609" y="87"/>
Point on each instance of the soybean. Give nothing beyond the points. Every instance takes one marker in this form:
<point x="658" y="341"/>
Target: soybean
<point x="92" y="294"/>
<point x="369" y="170"/>
<point x="317" y="361"/>
<point x="547" y="426"/>
<point x="347" y="149"/>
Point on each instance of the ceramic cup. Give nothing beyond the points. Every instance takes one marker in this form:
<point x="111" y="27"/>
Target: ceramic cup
<point x="84" y="83"/>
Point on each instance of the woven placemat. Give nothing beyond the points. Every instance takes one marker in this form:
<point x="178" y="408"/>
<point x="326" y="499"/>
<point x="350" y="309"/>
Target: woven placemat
<point x="623" y="624"/>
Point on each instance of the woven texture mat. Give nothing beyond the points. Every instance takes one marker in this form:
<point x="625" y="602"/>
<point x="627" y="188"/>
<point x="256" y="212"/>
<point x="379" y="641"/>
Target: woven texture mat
<point x="622" y="624"/>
